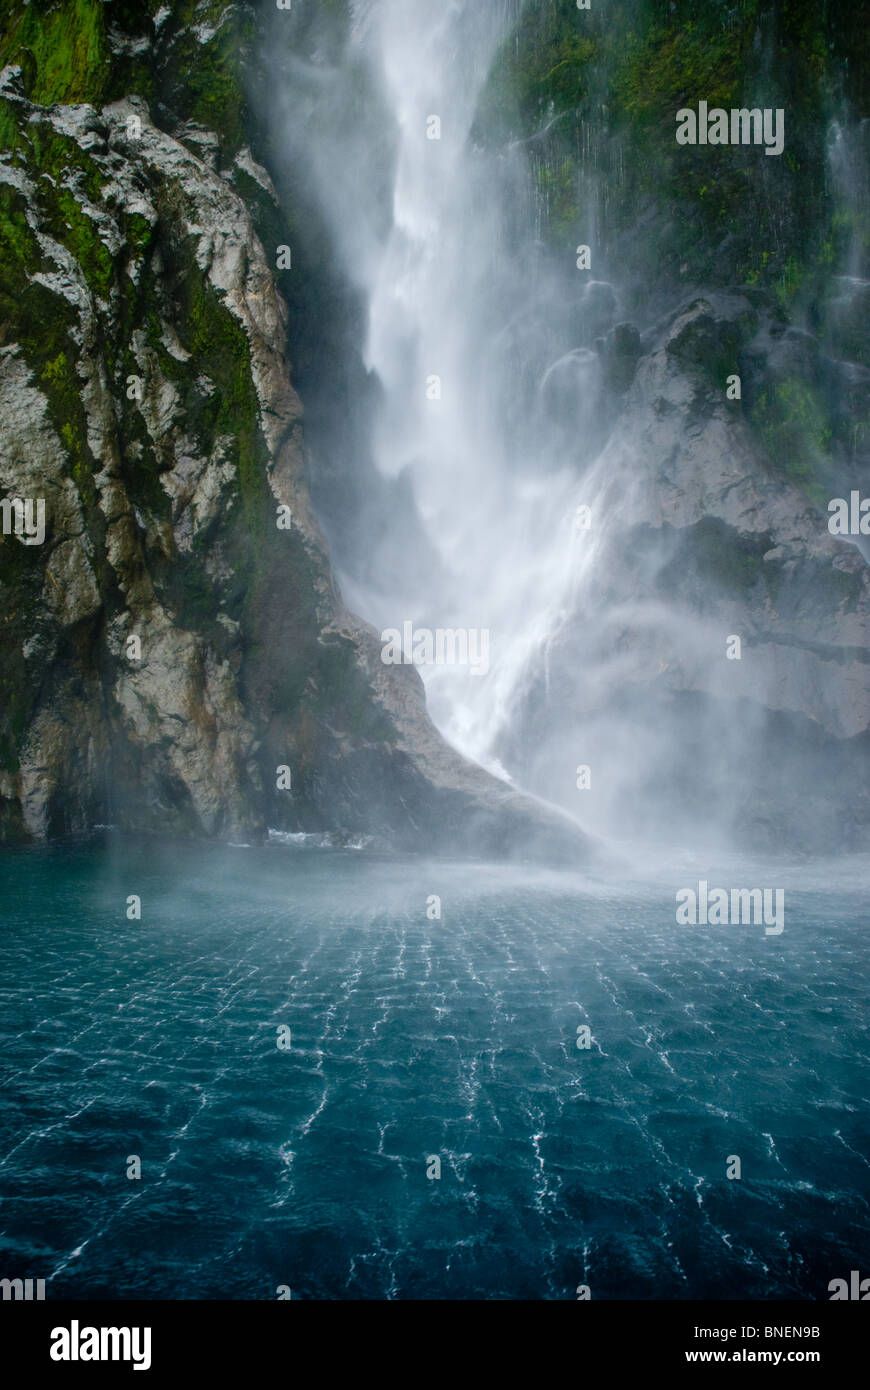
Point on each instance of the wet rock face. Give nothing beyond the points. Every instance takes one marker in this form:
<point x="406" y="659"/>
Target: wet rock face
<point x="703" y="537"/>
<point x="118" y="688"/>
<point x="748" y="544"/>
<point x="176" y="638"/>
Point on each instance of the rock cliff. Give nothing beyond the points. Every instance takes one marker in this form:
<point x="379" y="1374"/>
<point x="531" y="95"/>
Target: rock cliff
<point x="177" y="639"/>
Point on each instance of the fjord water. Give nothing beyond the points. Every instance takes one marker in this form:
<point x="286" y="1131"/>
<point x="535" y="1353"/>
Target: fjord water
<point x="413" y="1038"/>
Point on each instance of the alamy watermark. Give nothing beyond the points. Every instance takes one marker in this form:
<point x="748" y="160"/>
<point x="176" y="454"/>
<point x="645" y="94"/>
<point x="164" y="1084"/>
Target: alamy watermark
<point x="849" y="518"/>
<point x="22" y="1290"/>
<point x="445" y="646"/>
<point x="737" y="127"/>
<point x="76" y="1343"/>
<point x="18" y="519"/>
<point x="719" y="907"/>
<point x="857" y="1289"/>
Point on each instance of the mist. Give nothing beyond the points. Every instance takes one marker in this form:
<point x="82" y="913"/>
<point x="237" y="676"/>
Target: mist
<point x="508" y="438"/>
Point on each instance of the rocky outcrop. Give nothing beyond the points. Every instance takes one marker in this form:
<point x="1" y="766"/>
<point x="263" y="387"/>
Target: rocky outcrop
<point x="177" y="638"/>
<point x="702" y="538"/>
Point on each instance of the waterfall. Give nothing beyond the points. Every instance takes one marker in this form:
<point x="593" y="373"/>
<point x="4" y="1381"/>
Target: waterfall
<point x="486" y="406"/>
<point x="535" y="443"/>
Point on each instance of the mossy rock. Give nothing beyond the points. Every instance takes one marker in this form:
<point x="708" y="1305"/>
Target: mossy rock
<point x="793" y="423"/>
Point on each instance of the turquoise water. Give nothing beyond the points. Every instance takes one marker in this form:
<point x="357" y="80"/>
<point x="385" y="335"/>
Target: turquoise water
<point x="413" y="1039"/>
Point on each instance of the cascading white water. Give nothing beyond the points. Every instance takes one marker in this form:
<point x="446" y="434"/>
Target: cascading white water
<point x="495" y="419"/>
<point x="450" y="297"/>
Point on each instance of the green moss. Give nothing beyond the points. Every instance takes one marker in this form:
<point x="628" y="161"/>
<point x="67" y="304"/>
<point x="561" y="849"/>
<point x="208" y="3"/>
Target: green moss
<point x="795" y="429"/>
<point x="271" y="224"/>
<point x="136" y="231"/>
<point x="203" y="81"/>
<point x="708" y="348"/>
<point x="557" y="189"/>
<point x="219" y="348"/>
<point x="543" y="68"/>
<point x="64" y="51"/>
<point x="63" y="160"/>
<point x="11" y="137"/>
<point x="75" y="230"/>
<point x="666" y="70"/>
<point x="67" y="47"/>
<point x="65" y="176"/>
<point x="601" y="88"/>
<point x="19" y="248"/>
<point x="40" y="322"/>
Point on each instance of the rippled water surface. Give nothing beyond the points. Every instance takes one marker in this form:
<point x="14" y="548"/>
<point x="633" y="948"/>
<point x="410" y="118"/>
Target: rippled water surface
<point x="414" y="1038"/>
